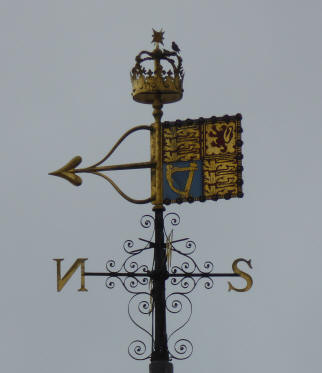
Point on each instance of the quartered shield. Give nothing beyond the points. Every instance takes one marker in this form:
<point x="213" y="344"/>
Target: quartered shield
<point x="202" y="159"/>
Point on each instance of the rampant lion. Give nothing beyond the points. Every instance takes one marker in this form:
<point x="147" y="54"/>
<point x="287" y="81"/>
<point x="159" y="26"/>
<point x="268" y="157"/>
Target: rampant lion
<point x="221" y="136"/>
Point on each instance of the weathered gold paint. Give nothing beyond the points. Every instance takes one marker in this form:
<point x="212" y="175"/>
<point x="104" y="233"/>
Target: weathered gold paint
<point x="156" y="155"/>
<point x="61" y="282"/>
<point x="244" y="275"/>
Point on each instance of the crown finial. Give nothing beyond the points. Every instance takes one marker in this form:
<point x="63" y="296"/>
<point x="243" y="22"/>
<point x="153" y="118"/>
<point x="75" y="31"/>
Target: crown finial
<point x="157" y="37"/>
<point x="158" y="74"/>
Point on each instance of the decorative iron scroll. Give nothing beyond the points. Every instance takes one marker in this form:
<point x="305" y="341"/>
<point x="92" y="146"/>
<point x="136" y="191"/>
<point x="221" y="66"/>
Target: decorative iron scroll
<point x="135" y="277"/>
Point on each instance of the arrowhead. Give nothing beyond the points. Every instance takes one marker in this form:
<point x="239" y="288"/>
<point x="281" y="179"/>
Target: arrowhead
<point x="68" y="171"/>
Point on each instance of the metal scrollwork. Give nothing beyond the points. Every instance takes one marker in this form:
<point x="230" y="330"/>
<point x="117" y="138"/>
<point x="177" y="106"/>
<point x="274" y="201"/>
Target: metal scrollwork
<point x="136" y="278"/>
<point x="187" y="283"/>
<point x="137" y="350"/>
<point x="140" y="303"/>
<point x="183" y="349"/>
<point x="191" y="246"/>
<point x="146" y="221"/>
<point x="178" y="302"/>
<point x="173" y="217"/>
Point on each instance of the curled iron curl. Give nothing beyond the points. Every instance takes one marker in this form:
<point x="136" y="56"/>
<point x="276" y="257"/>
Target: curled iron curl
<point x="130" y="284"/>
<point x="187" y="267"/>
<point x="191" y="245"/>
<point x="179" y="302"/>
<point x="128" y="244"/>
<point x="110" y="283"/>
<point x="110" y="264"/>
<point x="188" y="284"/>
<point x="173" y="217"/>
<point x="137" y="350"/>
<point x="142" y="306"/>
<point x="208" y="266"/>
<point x="182" y="348"/>
<point x="134" y="282"/>
<point x="147" y="221"/>
<point x="133" y="267"/>
<point x="175" y="305"/>
<point x="130" y="267"/>
<point x="190" y="267"/>
<point x="208" y="282"/>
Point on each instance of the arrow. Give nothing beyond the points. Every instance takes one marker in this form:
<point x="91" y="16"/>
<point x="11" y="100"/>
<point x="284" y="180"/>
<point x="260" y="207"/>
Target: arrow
<point x="67" y="172"/>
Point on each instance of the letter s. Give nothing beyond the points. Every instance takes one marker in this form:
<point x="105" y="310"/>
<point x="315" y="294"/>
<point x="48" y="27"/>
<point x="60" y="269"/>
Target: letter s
<point x="244" y="275"/>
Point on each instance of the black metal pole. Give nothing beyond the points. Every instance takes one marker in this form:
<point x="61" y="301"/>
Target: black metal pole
<point x="160" y="354"/>
<point x="160" y="348"/>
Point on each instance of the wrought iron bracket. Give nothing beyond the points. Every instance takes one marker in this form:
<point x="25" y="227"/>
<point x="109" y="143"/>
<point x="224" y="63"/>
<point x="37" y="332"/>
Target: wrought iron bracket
<point x="140" y="280"/>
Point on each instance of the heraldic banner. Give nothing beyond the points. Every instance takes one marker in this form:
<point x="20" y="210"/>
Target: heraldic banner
<point x="202" y="159"/>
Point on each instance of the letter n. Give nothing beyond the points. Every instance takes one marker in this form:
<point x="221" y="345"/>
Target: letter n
<point x="61" y="282"/>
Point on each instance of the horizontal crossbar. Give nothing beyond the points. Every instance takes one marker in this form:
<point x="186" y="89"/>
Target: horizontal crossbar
<point x="125" y="274"/>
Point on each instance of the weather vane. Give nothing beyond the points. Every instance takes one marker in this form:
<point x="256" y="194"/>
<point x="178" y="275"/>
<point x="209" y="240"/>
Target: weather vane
<point x="191" y="160"/>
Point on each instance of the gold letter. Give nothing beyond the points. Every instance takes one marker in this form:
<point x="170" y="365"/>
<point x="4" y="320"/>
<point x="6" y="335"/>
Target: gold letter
<point x="242" y="274"/>
<point x="61" y="282"/>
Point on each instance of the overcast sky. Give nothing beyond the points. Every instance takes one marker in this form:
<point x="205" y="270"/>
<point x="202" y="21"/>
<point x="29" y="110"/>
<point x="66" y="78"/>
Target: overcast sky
<point x="65" y="90"/>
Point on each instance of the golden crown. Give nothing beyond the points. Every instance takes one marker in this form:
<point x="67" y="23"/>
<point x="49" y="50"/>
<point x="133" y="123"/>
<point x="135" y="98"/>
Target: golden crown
<point x="162" y="82"/>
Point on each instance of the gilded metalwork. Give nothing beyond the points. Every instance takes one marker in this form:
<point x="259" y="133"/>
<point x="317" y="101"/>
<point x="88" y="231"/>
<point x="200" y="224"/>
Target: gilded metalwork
<point x="244" y="275"/>
<point x="157" y="80"/>
<point x="157" y="37"/>
<point x="61" y="281"/>
<point x="157" y="85"/>
<point x="191" y="160"/>
<point x="171" y="169"/>
<point x="212" y="147"/>
<point x="156" y="155"/>
<point x="181" y="143"/>
<point x="169" y="248"/>
<point x="69" y="171"/>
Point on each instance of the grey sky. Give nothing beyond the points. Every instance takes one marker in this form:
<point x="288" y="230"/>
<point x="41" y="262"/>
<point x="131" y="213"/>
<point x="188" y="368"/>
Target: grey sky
<point x="65" y="90"/>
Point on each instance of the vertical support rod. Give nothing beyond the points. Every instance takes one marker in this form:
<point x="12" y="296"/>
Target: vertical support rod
<point x="156" y="154"/>
<point x="160" y="349"/>
<point x="156" y="143"/>
<point x="160" y="354"/>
